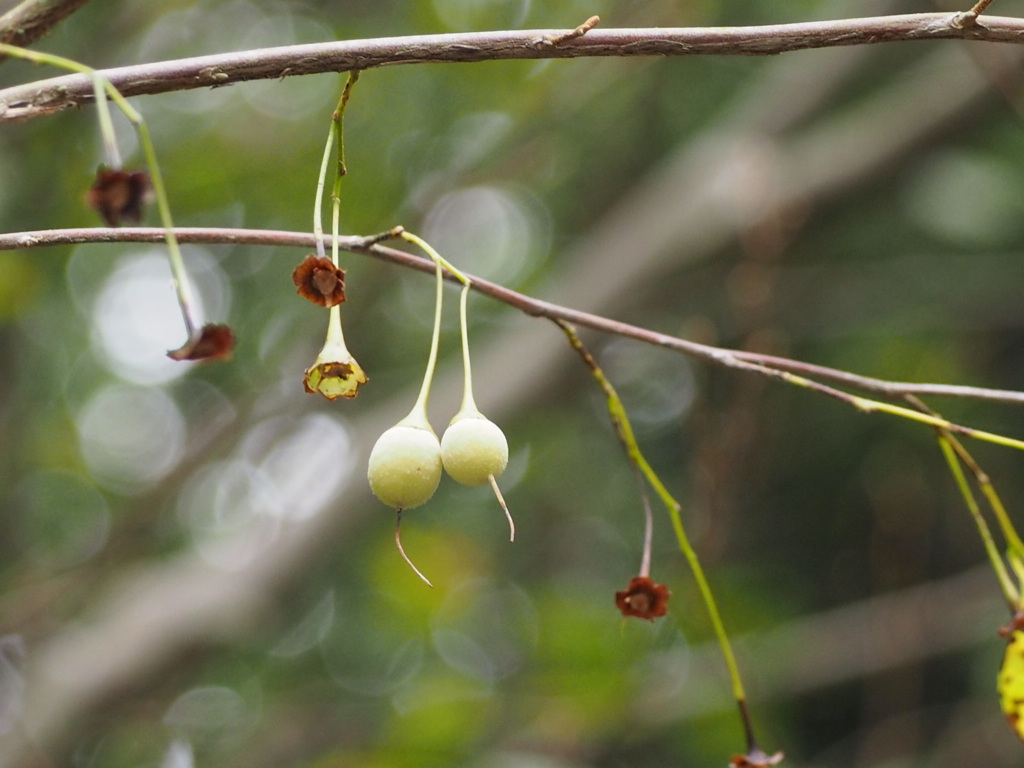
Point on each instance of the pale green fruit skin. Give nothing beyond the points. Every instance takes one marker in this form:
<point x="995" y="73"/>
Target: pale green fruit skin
<point x="405" y="466"/>
<point x="473" y="449"/>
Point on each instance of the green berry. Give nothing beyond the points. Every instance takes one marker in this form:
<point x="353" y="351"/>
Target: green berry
<point x="405" y="466"/>
<point x="474" y="449"/>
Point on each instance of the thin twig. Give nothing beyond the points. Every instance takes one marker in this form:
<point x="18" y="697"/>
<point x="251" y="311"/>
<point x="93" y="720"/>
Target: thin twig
<point x="535" y="307"/>
<point x="371" y="246"/>
<point x="47" y="96"/>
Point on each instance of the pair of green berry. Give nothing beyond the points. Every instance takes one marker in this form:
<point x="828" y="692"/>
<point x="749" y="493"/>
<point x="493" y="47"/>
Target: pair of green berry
<point x="406" y="462"/>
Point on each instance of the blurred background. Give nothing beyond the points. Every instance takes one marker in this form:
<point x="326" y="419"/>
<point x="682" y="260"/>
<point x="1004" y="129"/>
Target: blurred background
<point x="193" y="570"/>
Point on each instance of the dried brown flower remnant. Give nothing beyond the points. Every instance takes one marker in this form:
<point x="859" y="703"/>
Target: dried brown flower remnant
<point x="643" y="599"/>
<point x="755" y="758"/>
<point x="117" y="194"/>
<point x="1016" y="623"/>
<point x="213" y="342"/>
<point x="320" y="280"/>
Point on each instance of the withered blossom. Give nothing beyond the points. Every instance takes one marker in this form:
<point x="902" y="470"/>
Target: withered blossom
<point x="213" y="342"/>
<point x="755" y="758"/>
<point x="1016" y="623"/>
<point x="320" y="280"/>
<point x="643" y="599"/>
<point x="335" y="373"/>
<point x="119" y="195"/>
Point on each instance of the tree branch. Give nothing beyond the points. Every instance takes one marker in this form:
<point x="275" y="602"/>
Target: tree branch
<point x="44" y="97"/>
<point x="757" y="363"/>
<point x="33" y="19"/>
<point x="680" y="203"/>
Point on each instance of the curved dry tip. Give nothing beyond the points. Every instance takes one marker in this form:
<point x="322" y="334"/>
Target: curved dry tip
<point x="504" y="506"/>
<point x="401" y="549"/>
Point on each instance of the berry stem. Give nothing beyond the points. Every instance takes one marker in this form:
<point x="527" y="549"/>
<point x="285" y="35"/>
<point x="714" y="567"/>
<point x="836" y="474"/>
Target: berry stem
<point x="468" y="403"/>
<point x="418" y="415"/>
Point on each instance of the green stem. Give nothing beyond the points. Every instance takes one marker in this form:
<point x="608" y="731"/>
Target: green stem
<point x="435" y="256"/>
<point x="439" y="262"/>
<point x="418" y="414"/>
<point x="468" y="403"/>
<point x="1014" y="546"/>
<point x="420" y="408"/>
<point x="338" y="128"/>
<point x="1009" y="590"/>
<point x="869" y="406"/>
<point x="318" y="227"/>
<point x="110" y="148"/>
<point x="1013" y="543"/>
<point x="336" y="133"/>
<point x="335" y="217"/>
<point x="625" y="431"/>
<point x="178" y="272"/>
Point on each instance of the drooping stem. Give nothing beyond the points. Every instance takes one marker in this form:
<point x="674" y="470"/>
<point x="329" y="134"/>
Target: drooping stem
<point x="1014" y="546"/>
<point x="645" y="558"/>
<point x="178" y="272"/>
<point x="182" y="286"/>
<point x="418" y="414"/>
<point x="435" y="257"/>
<point x="468" y="403"/>
<point x="620" y="420"/>
<point x="318" y="226"/>
<point x="1010" y="591"/>
<point x="439" y="264"/>
<point x="107" y="135"/>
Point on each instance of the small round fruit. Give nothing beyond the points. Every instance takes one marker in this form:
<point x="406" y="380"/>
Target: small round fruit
<point x="405" y="466"/>
<point x="473" y="450"/>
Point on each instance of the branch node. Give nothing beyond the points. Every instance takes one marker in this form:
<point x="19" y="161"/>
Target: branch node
<point x="372" y="240"/>
<point x="964" y="19"/>
<point x="580" y="31"/>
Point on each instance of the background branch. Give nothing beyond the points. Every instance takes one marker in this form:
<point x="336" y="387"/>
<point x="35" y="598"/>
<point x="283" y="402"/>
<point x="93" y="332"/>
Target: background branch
<point x="33" y="19"/>
<point x="44" y="97"/>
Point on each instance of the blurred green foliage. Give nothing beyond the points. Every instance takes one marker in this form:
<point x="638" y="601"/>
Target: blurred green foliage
<point x="114" y="462"/>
